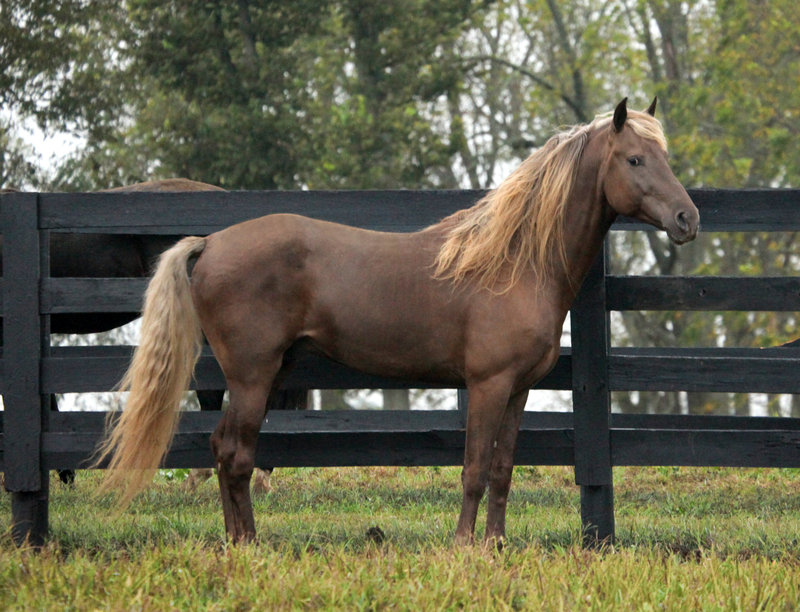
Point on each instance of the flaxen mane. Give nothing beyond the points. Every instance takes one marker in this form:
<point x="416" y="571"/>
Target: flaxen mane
<point x="521" y="222"/>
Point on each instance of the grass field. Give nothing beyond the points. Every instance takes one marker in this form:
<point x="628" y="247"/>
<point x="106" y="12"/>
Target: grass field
<point x="687" y="539"/>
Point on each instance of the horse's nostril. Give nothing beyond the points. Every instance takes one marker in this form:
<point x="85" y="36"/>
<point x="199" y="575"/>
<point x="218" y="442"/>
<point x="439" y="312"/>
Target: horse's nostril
<point x="681" y="221"/>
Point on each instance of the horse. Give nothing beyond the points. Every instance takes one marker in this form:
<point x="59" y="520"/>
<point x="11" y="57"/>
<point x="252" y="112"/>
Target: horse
<point x="112" y="256"/>
<point x="477" y="299"/>
<point x="109" y="256"/>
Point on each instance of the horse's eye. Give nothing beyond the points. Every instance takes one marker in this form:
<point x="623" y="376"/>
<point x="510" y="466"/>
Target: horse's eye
<point x="635" y="161"/>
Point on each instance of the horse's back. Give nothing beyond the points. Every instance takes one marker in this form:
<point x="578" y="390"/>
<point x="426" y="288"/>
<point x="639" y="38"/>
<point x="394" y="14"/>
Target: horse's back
<point x="170" y="184"/>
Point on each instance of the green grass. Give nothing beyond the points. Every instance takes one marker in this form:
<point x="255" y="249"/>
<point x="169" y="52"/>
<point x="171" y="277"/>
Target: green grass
<point x="688" y="538"/>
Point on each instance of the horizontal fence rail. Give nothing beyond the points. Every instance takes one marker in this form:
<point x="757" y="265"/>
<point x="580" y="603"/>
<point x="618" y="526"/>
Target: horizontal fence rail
<point x="32" y="440"/>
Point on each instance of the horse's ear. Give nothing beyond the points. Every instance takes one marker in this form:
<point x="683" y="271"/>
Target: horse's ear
<point x="620" y="114"/>
<point x="651" y="110"/>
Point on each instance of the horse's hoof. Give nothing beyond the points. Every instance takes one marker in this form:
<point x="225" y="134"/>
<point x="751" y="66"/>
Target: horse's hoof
<point x="376" y="535"/>
<point x="66" y="476"/>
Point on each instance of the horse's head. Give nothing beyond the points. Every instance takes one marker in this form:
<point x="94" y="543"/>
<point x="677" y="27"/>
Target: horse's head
<point x="637" y="180"/>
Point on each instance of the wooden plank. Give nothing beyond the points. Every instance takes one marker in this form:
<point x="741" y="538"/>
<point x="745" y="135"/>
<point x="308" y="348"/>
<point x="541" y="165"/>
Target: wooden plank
<point x="85" y="295"/>
<point x="597" y="515"/>
<point x="292" y="421"/>
<point x="702" y="293"/>
<point x="590" y="397"/>
<point x="30" y="512"/>
<point x="366" y="420"/>
<point x="327" y="438"/>
<point x="748" y="209"/>
<point x="24" y="414"/>
<point x="86" y="369"/>
<point x="328" y="448"/>
<point x="721" y="448"/>
<point x="734" y="448"/>
<point x="434" y="442"/>
<point x="591" y="406"/>
<point x="703" y="422"/>
<point x="548" y="438"/>
<point x="203" y="212"/>
<point x="728" y="370"/>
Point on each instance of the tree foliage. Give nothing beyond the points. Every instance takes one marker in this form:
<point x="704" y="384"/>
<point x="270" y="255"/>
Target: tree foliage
<point x="367" y="94"/>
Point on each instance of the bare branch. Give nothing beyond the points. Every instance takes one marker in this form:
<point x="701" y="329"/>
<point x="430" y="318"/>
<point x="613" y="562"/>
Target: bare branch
<point x="573" y="104"/>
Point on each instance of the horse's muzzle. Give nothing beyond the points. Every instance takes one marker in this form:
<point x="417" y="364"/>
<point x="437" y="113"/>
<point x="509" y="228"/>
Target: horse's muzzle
<point x="683" y="226"/>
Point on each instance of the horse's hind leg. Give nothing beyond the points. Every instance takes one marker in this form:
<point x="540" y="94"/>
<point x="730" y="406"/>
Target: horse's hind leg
<point x="290" y="399"/>
<point x="212" y="400"/>
<point x="208" y="400"/>
<point x="66" y="476"/>
<point x="234" y="445"/>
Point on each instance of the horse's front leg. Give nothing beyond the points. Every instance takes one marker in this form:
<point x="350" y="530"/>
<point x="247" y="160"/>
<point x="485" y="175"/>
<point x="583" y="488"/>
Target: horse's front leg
<point x="234" y="446"/>
<point x="502" y="468"/>
<point x="487" y="404"/>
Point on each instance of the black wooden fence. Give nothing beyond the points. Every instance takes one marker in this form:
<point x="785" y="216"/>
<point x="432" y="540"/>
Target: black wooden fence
<point x="34" y="440"/>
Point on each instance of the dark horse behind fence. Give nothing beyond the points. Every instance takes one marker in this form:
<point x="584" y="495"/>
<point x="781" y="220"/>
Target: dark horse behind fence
<point x="110" y="256"/>
<point x="476" y="299"/>
<point x="86" y="255"/>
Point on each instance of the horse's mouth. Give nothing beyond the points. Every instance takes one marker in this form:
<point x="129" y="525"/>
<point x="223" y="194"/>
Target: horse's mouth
<point x="680" y="237"/>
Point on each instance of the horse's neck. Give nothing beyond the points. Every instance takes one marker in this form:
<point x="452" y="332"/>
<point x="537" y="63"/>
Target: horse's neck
<point x="587" y="220"/>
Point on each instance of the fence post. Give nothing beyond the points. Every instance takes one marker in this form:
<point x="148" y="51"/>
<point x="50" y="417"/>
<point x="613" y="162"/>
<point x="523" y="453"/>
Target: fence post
<point x="25" y="408"/>
<point x="591" y="406"/>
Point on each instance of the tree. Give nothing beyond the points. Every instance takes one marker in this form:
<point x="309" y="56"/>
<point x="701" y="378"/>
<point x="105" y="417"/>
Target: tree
<point x="375" y="80"/>
<point x="215" y="97"/>
<point x="17" y="169"/>
<point x="53" y="69"/>
<point x="48" y="54"/>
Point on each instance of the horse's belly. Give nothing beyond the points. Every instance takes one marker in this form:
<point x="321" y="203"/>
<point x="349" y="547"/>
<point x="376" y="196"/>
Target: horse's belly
<point x="390" y="349"/>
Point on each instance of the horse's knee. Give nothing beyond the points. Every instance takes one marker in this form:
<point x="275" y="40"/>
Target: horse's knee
<point x="474" y="480"/>
<point x="500" y="478"/>
<point x="217" y="439"/>
<point x="242" y="464"/>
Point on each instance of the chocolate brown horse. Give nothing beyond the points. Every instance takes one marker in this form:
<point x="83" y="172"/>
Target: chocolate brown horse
<point x="477" y="299"/>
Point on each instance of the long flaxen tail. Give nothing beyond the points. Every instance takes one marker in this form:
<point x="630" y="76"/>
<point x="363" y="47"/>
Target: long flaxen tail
<point x="159" y="374"/>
